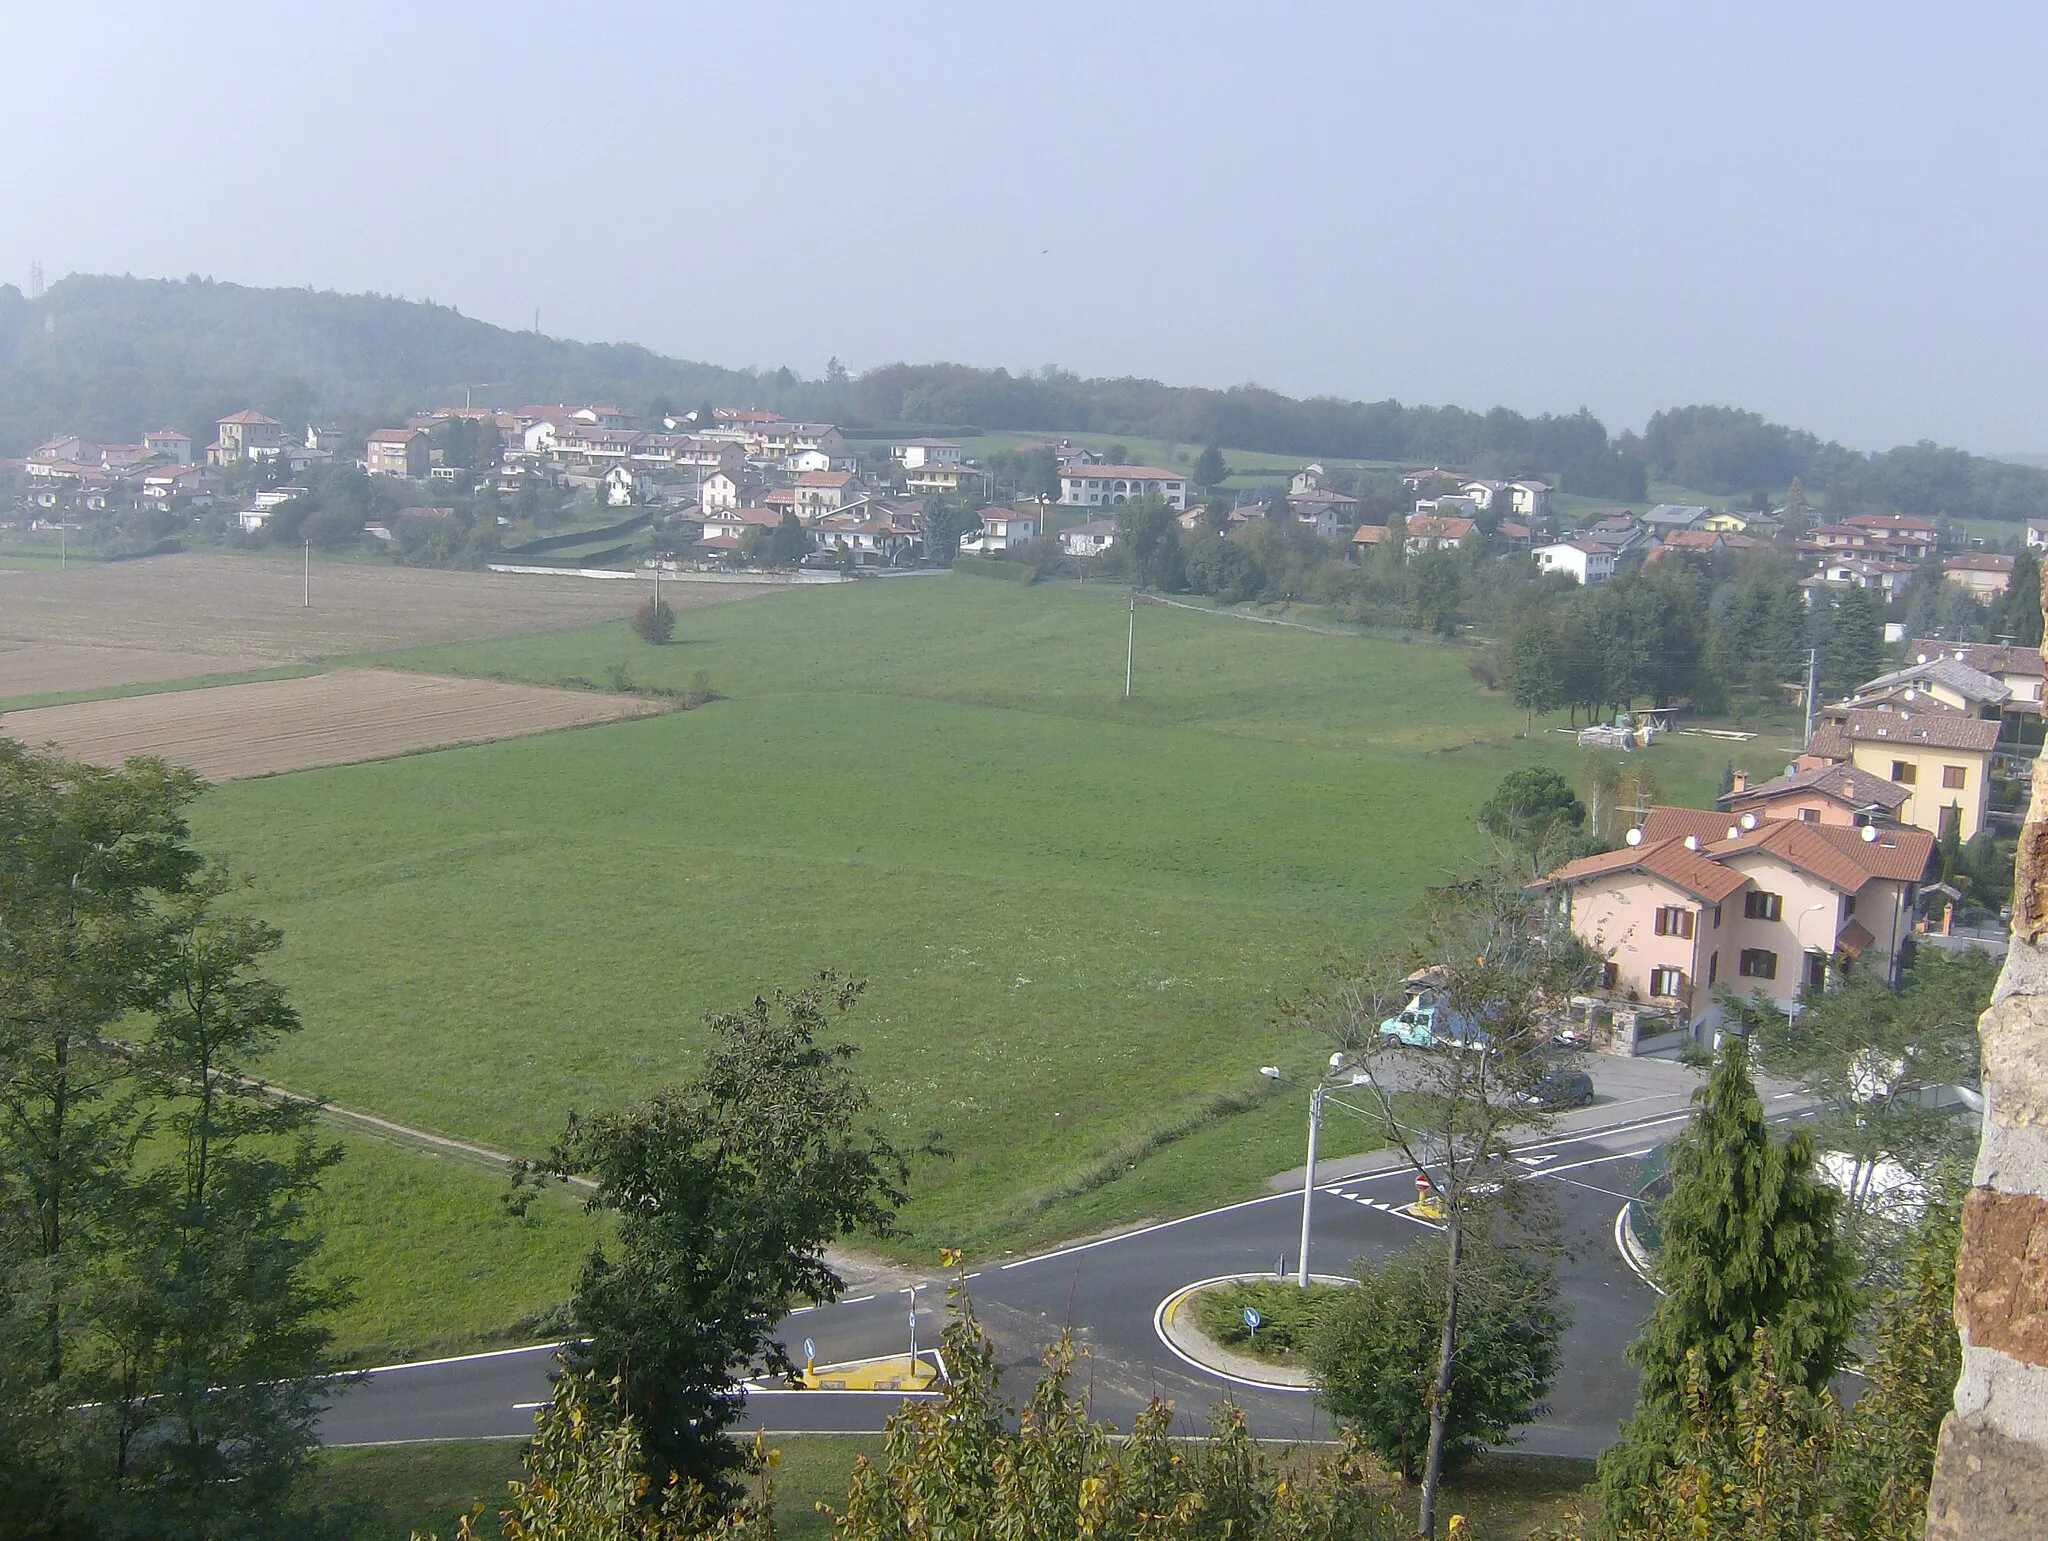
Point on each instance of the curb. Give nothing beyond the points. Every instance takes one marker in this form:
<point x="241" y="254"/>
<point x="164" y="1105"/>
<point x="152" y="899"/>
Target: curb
<point x="1192" y="1346"/>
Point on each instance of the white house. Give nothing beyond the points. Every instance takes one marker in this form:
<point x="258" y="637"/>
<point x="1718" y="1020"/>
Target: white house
<point x="1584" y="560"/>
<point x="1097" y="486"/>
<point x="1483" y="494"/>
<point x="1002" y="529"/>
<point x="176" y="447"/>
<point x="912" y="453"/>
<point x="623" y="486"/>
<point x="1529" y="499"/>
<point x="723" y="491"/>
<point x="1090" y="539"/>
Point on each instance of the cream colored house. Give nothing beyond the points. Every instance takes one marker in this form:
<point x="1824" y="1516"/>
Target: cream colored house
<point x="1941" y="759"/>
<point x="1984" y="573"/>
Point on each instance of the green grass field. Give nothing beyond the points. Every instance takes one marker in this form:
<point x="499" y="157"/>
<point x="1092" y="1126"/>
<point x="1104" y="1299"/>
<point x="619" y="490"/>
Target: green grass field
<point x="438" y="1265"/>
<point x="1076" y="912"/>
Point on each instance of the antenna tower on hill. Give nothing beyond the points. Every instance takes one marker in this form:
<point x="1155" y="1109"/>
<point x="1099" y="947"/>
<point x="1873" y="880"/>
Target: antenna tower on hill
<point x="35" y="279"/>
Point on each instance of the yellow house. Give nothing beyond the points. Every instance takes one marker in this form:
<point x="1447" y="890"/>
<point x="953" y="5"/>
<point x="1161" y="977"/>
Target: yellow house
<point x="1725" y="523"/>
<point x="1941" y="759"/>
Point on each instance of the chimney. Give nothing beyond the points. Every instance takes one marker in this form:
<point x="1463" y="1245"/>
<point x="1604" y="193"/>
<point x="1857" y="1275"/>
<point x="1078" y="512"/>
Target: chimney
<point x="1740" y="783"/>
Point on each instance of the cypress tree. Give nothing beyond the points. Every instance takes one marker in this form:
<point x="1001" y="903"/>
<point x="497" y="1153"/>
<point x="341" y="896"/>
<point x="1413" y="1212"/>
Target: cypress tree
<point x="1748" y="1246"/>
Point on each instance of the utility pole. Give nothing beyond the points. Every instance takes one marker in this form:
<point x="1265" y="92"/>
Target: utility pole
<point x="1812" y="685"/>
<point x="1308" y="1176"/>
<point x="306" y="578"/>
<point x="1131" y="645"/>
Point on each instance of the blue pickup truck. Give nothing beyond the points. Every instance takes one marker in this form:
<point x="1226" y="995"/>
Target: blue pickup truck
<point x="1427" y="1023"/>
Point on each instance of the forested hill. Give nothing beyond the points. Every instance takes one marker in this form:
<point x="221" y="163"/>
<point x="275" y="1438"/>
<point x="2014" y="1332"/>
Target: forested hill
<point x="109" y="357"/>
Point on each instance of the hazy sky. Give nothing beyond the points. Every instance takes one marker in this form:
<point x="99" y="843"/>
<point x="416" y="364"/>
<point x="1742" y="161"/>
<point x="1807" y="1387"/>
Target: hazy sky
<point x="1832" y="214"/>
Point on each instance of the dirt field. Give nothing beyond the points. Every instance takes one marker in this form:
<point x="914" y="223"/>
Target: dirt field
<point x="247" y="609"/>
<point x="44" y="668"/>
<point x="227" y="731"/>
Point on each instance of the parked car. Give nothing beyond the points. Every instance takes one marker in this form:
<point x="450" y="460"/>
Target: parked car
<point x="1427" y="1023"/>
<point x="1562" y="1086"/>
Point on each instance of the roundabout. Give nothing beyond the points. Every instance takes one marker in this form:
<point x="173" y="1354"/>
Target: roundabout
<point x="1175" y="1324"/>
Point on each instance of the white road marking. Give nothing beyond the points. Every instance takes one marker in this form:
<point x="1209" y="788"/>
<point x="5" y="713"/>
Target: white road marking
<point x="854" y="1300"/>
<point x="527" y="1407"/>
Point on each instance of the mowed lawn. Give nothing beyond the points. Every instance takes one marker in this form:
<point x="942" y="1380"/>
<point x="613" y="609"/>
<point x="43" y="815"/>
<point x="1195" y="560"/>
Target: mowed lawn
<point x="1075" y="913"/>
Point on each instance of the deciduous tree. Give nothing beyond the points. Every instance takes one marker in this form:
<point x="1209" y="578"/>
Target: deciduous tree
<point x="727" y="1188"/>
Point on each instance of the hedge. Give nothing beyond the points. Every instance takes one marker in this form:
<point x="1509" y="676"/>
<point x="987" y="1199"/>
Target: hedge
<point x="583" y="559"/>
<point x="989" y="567"/>
<point x="579" y="537"/>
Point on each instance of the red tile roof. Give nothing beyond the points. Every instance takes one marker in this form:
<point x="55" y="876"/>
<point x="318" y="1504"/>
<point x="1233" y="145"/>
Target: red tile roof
<point x="1127" y="473"/>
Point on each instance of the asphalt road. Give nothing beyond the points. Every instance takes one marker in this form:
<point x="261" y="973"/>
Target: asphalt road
<point x="1109" y="1290"/>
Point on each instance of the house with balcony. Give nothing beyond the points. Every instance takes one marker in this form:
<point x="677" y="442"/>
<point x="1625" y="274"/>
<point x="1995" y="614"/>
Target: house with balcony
<point x="1698" y="900"/>
<point x="406" y="452"/>
<point x="913" y="453"/>
<point x="827" y="492"/>
<point x="1097" y="486"/>
<point x="1003" y="529"/>
<point x="246" y="435"/>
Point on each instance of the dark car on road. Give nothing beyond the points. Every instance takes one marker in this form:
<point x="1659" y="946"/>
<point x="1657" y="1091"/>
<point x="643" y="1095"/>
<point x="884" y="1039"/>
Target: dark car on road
<point x="1562" y="1086"/>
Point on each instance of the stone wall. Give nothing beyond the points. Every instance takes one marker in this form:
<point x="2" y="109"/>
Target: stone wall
<point x="1991" y="1470"/>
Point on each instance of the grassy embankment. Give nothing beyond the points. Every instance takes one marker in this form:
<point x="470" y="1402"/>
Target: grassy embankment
<point x="1076" y="913"/>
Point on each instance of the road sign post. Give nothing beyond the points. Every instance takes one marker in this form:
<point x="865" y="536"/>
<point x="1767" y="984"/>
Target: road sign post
<point x="1251" y="1321"/>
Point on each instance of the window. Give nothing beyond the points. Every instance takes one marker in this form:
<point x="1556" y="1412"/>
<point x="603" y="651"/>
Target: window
<point x="1674" y="920"/>
<point x="1756" y="963"/>
<point x="1717" y="917"/>
<point x="1667" y="981"/>
<point x="1609" y="976"/>
<point x="1809" y="815"/>
<point x="1713" y="967"/>
<point x="1905" y="772"/>
<point x="1848" y="906"/>
<point x="1757" y="905"/>
<point x="1816" y="971"/>
<point x="1953" y="775"/>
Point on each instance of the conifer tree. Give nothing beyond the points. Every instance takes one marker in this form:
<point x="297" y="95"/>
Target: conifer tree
<point x="1749" y="1247"/>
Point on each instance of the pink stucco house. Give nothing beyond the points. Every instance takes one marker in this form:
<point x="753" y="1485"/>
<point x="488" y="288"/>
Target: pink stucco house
<point x="1699" y="900"/>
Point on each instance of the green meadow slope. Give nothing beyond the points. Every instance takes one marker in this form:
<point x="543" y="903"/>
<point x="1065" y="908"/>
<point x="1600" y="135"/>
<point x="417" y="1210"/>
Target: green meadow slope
<point x="1076" y="913"/>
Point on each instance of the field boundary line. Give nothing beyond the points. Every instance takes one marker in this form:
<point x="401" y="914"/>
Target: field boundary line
<point x="1262" y="620"/>
<point x="417" y="1136"/>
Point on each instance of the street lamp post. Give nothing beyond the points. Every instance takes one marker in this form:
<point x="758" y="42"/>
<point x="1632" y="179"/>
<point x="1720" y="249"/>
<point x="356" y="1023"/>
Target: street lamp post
<point x="1308" y="1175"/>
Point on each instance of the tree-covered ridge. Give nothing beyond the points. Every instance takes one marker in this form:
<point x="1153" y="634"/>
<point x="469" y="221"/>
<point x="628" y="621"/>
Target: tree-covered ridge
<point x="108" y="357"/>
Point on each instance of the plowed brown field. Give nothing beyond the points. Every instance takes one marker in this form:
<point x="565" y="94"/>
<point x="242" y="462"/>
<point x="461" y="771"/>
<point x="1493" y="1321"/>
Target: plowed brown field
<point x="44" y="668"/>
<point x="227" y="731"/>
<point x="247" y="608"/>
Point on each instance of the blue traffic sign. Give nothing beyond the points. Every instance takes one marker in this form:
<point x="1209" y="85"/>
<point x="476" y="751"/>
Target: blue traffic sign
<point x="1252" y="1318"/>
<point x="810" y="1349"/>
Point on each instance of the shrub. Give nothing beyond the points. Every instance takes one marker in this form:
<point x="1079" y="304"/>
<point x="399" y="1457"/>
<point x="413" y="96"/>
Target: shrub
<point x="655" y="621"/>
<point x="1288" y="1315"/>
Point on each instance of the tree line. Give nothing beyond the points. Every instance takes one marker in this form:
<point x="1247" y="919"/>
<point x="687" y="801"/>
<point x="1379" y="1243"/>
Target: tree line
<point x="110" y="357"/>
